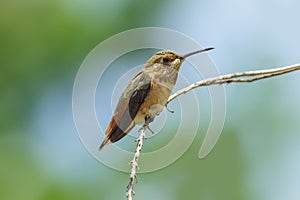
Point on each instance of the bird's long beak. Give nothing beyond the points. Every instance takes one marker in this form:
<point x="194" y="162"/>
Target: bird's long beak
<point x="196" y="52"/>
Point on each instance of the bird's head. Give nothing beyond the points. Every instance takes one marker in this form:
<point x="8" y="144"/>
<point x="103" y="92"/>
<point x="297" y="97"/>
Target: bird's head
<point x="171" y="59"/>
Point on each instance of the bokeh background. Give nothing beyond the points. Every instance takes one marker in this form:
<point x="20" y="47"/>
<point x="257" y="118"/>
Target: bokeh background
<point x="42" y="45"/>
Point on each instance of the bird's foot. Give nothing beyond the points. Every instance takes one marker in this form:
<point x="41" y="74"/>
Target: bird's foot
<point x="168" y="109"/>
<point x="150" y="129"/>
<point x="148" y="120"/>
<point x="144" y="127"/>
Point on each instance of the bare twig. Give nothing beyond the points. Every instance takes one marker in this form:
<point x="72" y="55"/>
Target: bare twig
<point x="250" y="76"/>
<point x="230" y="78"/>
<point x="134" y="163"/>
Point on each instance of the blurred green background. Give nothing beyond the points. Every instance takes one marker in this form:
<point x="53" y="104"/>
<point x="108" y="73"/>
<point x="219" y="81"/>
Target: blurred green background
<point x="42" y="45"/>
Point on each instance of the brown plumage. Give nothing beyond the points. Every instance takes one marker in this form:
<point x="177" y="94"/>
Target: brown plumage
<point x="146" y="94"/>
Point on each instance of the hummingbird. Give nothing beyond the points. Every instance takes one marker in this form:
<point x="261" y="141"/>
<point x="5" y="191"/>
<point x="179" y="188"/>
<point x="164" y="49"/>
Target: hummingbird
<point x="146" y="94"/>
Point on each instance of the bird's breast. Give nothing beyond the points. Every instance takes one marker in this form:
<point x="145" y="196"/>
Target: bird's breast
<point x="154" y="102"/>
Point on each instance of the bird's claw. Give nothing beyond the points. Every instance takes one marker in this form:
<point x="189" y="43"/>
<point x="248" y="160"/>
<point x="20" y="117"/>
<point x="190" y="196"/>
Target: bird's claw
<point x="168" y="109"/>
<point x="150" y="129"/>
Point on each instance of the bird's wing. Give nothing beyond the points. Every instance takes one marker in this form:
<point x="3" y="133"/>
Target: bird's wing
<point x="129" y="103"/>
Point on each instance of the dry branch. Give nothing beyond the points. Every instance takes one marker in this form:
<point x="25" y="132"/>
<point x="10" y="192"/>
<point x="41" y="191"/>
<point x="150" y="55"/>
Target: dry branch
<point x="134" y="163"/>
<point x="230" y="78"/>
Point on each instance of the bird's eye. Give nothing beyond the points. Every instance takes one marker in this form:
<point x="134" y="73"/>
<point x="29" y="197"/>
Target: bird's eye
<point x="165" y="60"/>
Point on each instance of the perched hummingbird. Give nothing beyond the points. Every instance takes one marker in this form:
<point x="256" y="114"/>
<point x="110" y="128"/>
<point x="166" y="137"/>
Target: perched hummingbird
<point x="146" y="94"/>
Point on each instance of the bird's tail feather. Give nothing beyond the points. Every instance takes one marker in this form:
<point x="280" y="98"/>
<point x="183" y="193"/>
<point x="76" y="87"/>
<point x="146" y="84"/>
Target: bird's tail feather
<point x="105" y="142"/>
